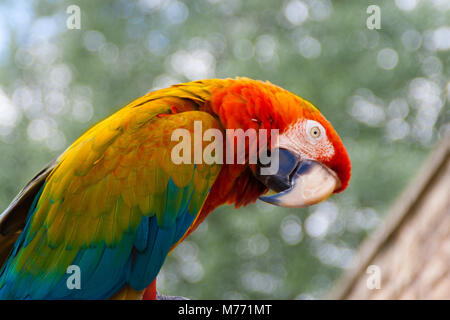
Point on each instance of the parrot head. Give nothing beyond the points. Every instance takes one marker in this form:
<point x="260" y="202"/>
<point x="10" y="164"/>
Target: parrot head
<point x="312" y="162"/>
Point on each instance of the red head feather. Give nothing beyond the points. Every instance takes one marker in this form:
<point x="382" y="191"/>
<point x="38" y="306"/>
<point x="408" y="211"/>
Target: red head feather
<point x="245" y="103"/>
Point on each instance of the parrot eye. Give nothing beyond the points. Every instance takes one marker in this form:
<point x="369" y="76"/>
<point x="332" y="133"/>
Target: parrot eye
<point x="315" y="132"/>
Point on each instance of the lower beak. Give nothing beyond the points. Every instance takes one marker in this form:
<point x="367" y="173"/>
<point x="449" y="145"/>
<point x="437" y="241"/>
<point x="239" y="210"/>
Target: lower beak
<point x="308" y="183"/>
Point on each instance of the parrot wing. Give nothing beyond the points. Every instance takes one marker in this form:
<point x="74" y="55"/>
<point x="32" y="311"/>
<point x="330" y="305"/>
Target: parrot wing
<point x="13" y="219"/>
<point x="113" y="204"/>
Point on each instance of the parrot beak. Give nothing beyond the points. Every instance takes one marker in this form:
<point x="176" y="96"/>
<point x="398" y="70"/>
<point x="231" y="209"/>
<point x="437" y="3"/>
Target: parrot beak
<point x="299" y="183"/>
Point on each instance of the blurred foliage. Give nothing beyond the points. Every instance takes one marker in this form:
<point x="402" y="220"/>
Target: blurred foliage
<point x="385" y="91"/>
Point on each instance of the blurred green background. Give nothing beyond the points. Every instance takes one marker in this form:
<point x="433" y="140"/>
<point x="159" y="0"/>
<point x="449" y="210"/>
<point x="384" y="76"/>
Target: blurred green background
<point x="385" y="91"/>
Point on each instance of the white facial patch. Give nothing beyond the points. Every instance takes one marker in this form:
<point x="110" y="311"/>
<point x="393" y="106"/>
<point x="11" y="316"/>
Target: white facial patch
<point x="308" y="138"/>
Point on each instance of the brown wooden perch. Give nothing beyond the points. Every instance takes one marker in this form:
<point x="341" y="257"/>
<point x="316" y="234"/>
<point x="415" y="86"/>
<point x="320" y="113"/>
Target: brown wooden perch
<point x="412" y="247"/>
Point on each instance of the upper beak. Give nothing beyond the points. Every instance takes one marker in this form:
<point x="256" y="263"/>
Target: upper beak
<point x="299" y="183"/>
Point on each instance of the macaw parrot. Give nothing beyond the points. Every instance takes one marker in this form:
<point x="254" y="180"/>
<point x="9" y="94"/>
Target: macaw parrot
<point x="114" y="204"/>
